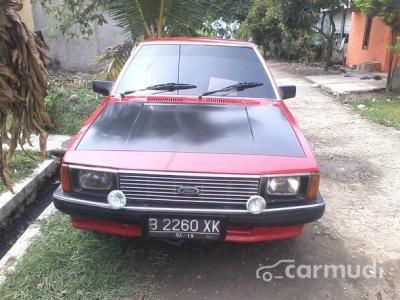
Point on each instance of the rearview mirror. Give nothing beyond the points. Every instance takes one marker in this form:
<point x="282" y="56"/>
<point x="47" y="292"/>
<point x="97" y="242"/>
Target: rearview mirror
<point x="288" y="91"/>
<point x="102" y="87"/>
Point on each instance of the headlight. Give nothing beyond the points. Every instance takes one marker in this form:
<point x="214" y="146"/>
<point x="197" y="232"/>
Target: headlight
<point x="95" y="180"/>
<point x="284" y="186"/>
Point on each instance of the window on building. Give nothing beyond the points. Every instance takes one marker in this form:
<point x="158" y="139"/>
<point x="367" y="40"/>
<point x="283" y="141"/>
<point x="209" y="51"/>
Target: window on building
<point x="367" y="32"/>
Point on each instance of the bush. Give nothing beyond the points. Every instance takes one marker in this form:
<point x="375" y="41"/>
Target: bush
<point x="306" y="46"/>
<point x="70" y="106"/>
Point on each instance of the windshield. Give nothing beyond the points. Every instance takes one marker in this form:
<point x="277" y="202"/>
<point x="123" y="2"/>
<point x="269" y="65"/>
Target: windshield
<point x="207" y="67"/>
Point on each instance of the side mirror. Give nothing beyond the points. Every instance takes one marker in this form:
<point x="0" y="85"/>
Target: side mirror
<point x="288" y="91"/>
<point x="102" y="87"/>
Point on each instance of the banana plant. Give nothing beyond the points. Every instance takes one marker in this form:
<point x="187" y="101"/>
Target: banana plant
<point x="23" y="85"/>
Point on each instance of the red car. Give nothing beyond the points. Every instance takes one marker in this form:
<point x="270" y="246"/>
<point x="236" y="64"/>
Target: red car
<point x="193" y="141"/>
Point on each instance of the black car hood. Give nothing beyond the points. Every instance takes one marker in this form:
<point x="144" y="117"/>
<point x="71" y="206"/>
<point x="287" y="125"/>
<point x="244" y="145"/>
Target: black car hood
<point x="236" y="129"/>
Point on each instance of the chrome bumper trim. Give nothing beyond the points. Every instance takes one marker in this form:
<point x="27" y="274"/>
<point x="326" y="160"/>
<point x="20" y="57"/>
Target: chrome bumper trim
<point x="61" y="197"/>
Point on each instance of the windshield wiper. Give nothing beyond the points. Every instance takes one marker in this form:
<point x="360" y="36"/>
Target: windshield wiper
<point x="241" y="86"/>
<point x="170" y="87"/>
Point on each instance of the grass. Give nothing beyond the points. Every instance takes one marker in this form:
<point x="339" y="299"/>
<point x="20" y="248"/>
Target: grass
<point x="382" y="111"/>
<point x="69" y="107"/>
<point x="71" y="264"/>
<point x="21" y="165"/>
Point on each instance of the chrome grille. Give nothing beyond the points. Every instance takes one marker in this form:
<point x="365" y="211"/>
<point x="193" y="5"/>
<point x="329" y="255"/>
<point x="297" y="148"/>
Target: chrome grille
<point x="215" y="190"/>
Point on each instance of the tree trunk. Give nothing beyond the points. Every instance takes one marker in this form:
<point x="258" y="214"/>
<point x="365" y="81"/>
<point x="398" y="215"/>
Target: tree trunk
<point x="330" y="43"/>
<point x="146" y="26"/>
<point x="391" y="65"/>
<point x="344" y="22"/>
<point x="160" y="25"/>
<point x="278" y="48"/>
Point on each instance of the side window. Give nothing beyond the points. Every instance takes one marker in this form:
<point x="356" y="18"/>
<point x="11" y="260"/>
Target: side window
<point x="367" y="32"/>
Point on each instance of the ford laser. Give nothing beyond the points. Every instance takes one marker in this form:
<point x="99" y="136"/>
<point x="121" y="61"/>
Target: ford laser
<point x="193" y="141"/>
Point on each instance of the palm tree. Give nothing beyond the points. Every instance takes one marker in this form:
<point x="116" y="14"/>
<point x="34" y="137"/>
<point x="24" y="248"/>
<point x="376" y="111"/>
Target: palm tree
<point x="148" y="19"/>
<point x="139" y="19"/>
<point x="157" y="18"/>
<point x="23" y="84"/>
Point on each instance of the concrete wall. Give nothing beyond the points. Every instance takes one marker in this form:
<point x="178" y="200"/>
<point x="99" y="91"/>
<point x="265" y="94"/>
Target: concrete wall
<point x="340" y="49"/>
<point x="338" y="19"/>
<point x="76" y="54"/>
<point x="379" y="40"/>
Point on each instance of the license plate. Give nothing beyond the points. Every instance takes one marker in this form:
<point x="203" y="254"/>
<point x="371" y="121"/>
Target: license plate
<point x="184" y="228"/>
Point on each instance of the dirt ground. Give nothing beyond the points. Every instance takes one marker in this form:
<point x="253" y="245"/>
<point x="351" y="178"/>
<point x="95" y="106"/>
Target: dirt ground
<point x="360" y="163"/>
<point x="310" y="69"/>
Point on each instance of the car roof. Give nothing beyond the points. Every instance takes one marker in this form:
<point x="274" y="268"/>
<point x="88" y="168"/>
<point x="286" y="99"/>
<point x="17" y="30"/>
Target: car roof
<point x="196" y="40"/>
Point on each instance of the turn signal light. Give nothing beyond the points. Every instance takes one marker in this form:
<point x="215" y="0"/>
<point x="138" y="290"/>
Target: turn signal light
<point x="65" y="179"/>
<point x="313" y="188"/>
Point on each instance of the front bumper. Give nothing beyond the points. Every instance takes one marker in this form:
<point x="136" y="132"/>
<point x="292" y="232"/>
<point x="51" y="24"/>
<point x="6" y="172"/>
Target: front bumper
<point x="238" y="222"/>
<point x="271" y="216"/>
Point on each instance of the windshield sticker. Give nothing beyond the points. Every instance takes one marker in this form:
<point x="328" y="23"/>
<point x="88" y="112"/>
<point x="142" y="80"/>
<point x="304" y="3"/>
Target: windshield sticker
<point x="216" y="83"/>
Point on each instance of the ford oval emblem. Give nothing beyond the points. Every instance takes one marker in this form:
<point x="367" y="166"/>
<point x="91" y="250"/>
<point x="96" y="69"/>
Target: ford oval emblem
<point x="188" y="190"/>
